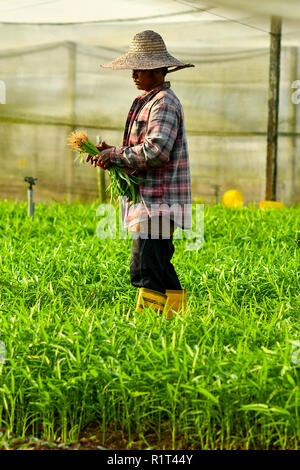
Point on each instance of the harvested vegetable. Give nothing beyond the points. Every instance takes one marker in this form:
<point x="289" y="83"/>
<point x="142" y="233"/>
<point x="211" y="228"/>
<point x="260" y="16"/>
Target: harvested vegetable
<point x="121" y="183"/>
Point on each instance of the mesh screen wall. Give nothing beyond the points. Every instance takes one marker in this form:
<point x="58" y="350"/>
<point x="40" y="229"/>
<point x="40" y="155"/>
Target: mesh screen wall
<point x="54" y="83"/>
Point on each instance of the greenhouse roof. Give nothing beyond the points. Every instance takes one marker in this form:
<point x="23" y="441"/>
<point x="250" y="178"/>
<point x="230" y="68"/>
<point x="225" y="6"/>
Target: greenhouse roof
<point x="72" y="11"/>
<point x="186" y="25"/>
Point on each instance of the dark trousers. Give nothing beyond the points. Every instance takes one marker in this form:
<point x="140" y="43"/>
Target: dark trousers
<point x="150" y="264"/>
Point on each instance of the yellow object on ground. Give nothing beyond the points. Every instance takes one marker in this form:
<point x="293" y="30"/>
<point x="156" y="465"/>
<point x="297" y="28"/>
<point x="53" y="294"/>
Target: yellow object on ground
<point x="22" y="163"/>
<point x="176" y="302"/>
<point x="233" y="198"/>
<point x="150" y="298"/>
<point x="270" y="204"/>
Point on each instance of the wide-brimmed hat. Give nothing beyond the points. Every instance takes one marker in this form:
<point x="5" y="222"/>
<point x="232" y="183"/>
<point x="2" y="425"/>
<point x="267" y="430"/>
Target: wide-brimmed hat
<point x="147" y="51"/>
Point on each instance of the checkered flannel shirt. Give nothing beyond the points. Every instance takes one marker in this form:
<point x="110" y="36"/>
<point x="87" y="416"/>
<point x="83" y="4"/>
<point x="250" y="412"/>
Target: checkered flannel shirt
<point x="155" y="148"/>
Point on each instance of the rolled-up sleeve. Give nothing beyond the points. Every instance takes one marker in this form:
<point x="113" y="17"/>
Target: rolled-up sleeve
<point x="159" y="140"/>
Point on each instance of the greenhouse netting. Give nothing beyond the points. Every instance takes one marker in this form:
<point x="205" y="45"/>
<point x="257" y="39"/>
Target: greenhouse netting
<point x="50" y="56"/>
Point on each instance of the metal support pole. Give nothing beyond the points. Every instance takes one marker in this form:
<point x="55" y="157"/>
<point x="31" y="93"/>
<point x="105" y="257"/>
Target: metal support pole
<point x="290" y="167"/>
<point x="31" y="181"/>
<point x="273" y="106"/>
<point x="30" y="203"/>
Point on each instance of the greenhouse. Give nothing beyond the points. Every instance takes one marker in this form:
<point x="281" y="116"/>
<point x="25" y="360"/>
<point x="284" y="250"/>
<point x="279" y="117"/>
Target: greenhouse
<point x="54" y="83"/>
<point x="78" y="363"/>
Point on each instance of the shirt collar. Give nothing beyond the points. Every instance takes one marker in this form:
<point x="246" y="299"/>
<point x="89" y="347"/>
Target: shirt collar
<point x="162" y="86"/>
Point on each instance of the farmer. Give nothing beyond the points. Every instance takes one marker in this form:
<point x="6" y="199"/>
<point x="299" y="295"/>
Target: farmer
<point x="155" y="149"/>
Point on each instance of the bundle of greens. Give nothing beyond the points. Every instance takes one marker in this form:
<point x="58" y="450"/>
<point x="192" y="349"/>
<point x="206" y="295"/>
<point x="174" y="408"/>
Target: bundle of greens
<point x="121" y="183"/>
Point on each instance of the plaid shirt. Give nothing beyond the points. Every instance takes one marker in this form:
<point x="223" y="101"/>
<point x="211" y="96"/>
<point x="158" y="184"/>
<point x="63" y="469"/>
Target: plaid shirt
<point x="155" y="148"/>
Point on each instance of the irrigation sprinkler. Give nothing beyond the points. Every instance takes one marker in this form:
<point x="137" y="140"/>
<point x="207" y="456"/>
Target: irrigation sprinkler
<point x="31" y="204"/>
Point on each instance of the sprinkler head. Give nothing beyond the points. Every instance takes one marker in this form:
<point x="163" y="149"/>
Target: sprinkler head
<point x="30" y="180"/>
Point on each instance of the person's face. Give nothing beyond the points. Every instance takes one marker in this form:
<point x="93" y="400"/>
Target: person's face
<point x="147" y="79"/>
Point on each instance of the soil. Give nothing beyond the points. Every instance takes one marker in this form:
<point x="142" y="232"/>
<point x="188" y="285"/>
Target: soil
<point x="92" y="438"/>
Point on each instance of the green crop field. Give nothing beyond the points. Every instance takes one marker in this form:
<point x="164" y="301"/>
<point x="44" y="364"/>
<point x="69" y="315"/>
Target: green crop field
<point x="225" y="375"/>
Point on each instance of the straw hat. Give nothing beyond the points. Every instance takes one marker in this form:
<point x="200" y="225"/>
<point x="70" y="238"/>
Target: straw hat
<point x="147" y="51"/>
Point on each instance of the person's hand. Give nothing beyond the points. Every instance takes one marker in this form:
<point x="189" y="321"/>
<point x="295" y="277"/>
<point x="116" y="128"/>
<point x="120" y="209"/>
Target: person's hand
<point x="103" y="158"/>
<point x="103" y="146"/>
<point x="100" y="147"/>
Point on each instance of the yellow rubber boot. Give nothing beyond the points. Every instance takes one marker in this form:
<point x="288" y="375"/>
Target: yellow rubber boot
<point x="150" y="298"/>
<point x="176" y="302"/>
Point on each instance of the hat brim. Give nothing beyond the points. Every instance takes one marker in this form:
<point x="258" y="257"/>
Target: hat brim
<point x="146" y="61"/>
